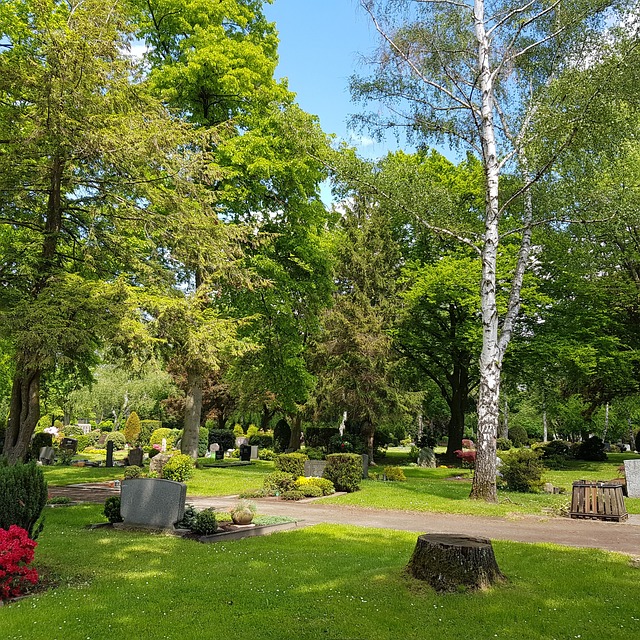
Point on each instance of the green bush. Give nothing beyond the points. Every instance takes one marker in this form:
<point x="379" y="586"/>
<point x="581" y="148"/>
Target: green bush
<point x="518" y="435"/>
<point x="106" y="426"/>
<point x="118" y="439"/>
<point x="133" y="472"/>
<point x="503" y="444"/>
<point x="395" y="474"/>
<point x="83" y="442"/>
<point x="314" y="453"/>
<point x="132" y="428"/>
<point x="205" y="523"/>
<point x="73" y="431"/>
<point x="311" y="491"/>
<point x="262" y="440"/>
<point x="238" y="431"/>
<point x="344" y="470"/>
<point x="147" y="427"/>
<point x="203" y="441"/>
<point x="294" y="494"/>
<point x="224" y="437"/>
<point x="278" y="482"/>
<point x="266" y="454"/>
<point x="93" y="436"/>
<point x="162" y="434"/>
<point x="591" y="450"/>
<point x="179" y="468"/>
<point x="281" y="435"/>
<point x="252" y="431"/>
<point x="188" y="518"/>
<point x="111" y="509"/>
<point x="522" y="471"/>
<point x="319" y="436"/>
<point x="291" y="463"/>
<point x="23" y="495"/>
<point x="326" y="486"/>
<point x="556" y="449"/>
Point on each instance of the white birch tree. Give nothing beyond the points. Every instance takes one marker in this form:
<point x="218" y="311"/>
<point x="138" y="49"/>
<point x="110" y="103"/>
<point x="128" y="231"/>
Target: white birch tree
<point x="481" y="76"/>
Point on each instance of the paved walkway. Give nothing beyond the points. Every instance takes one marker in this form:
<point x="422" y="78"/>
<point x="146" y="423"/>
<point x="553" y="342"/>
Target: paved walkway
<point x="623" y="537"/>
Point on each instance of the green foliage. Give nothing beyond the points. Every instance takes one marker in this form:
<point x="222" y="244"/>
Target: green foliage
<point x="147" y="427"/>
<point x="73" y="431"/>
<point x="278" y="482"/>
<point x="179" y="468"/>
<point x="556" y="449"/>
<point x="326" y="487"/>
<point x="133" y="472"/>
<point x="518" y="436"/>
<point x="224" y="437"/>
<point x="111" y="509"/>
<point x="252" y="431"/>
<point x="292" y="494"/>
<point x="238" y="431"/>
<point x="344" y="470"/>
<point x="118" y="439"/>
<point x="319" y="436"/>
<point x="314" y="453"/>
<point x="188" y="518"/>
<point x="203" y="441"/>
<point x="83" y="442"/>
<point x="503" y="444"/>
<point x="291" y="463"/>
<point x="591" y="449"/>
<point x="23" y="495"/>
<point x="522" y="471"/>
<point x="162" y="434"/>
<point x="205" y="523"/>
<point x="281" y="435"/>
<point x="132" y="428"/>
<point x="395" y="474"/>
<point x="106" y="426"/>
<point x="264" y="440"/>
<point x="266" y="454"/>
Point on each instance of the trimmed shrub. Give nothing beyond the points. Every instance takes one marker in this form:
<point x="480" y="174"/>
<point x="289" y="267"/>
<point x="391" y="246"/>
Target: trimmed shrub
<point x="179" y="468"/>
<point x="73" y="431"/>
<point x="292" y="495"/>
<point x="203" y="441"/>
<point x="111" y="509"/>
<point x="133" y="472"/>
<point x="162" y="434"/>
<point x="238" y="431"/>
<point x="118" y="439"/>
<point x="281" y="436"/>
<point x="291" y="463"/>
<point x="252" y="431"/>
<point x="188" y="518"/>
<point x="205" y="523"/>
<point x="325" y="486"/>
<point x="23" y="496"/>
<point x="556" y="449"/>
<point x="93" y="436"/>
<point x="278" y="482"/>
<point x="262" y="440"/>
<point x="518" y="435"/>
<point x="319" y="436"/>
<point x="106" y="426"/>
<point x="83" y="442"/>
<point x="314" y="453"/>
<point x="591" y="450"/>
<point x="344" y="470"/>
<point x="224" y="437"/>
<point x="132" y="428"/>
<point x="15" y="556"/>
<point x="311" y="491"/>
<point x="395" y="474"/>
<point x="147" y="427"/>
<point x="503" y="444"/>
<point x="522" y="471"/>
<point x="266" y="454"/>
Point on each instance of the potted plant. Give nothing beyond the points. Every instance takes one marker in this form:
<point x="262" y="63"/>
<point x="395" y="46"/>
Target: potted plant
<point x="243" y="512"/>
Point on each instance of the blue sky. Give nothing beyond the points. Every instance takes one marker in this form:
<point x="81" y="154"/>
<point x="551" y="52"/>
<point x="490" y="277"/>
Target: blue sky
<point x="322" y="43"/>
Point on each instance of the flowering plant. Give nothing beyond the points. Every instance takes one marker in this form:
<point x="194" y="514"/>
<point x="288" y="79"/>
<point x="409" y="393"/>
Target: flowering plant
<point x="16" y="552"/>
<point x="468" y="457"/>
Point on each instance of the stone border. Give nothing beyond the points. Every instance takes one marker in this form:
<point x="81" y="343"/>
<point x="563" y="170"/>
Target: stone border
<point x="249" y="531"/>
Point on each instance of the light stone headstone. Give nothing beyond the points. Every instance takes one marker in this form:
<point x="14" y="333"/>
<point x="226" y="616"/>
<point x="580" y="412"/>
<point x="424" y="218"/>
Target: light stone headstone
<point x="214" y="447"/>
<point x="314" y="468"/>
<point x="426" y="458"/>
<point x="254" y="452"/>
<point x="240" y="441"/>
<point x="47" y="455"/>
<point x="632" y="473"/>
<point x="151" y="502"/>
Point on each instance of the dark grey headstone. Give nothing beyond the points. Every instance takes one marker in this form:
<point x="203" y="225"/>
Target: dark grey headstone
<point x="314" y="468"/>
<point x="135" y="457"/>
<point x="110" y="453"/>
<point x="69" y="444"/>
<point x="47" y="455"/>
<point x="151" y="502"/>
<point x="632" y="473"/>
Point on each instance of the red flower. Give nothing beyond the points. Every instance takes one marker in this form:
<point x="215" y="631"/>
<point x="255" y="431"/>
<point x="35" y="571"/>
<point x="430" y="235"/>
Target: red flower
<point x="16" y="552"/>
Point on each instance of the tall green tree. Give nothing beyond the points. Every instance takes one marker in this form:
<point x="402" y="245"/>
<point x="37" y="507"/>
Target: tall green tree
<point x="90" y="164"/>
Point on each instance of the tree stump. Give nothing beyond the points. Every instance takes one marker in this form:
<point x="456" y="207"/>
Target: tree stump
<point x="451" y="562"/>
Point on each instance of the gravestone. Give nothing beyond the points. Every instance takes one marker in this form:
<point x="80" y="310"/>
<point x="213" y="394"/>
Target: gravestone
<point x="632" y="473"/>
<point x="157" y="463"/>
<point x="109" y="454"/>
<point x="365" y="465"/>
<point x="254" y="452"/>
<point x="245" y="452"/>
<point x="47" y="455"/>
<point x="135" y="457"/>
<point x="314" y="468"/>
<point x="240" y="441"/>
<point x="426" y="458"/>
<point x="69" y="444"/>
<point x="151" y="502"/>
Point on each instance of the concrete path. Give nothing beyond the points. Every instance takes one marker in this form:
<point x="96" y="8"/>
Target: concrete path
<point x="623" y="537"/>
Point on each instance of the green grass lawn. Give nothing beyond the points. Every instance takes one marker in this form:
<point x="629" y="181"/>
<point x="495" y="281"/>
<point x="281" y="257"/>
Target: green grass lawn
<point x="326" y="581"/>
<point x="437" y="490"/>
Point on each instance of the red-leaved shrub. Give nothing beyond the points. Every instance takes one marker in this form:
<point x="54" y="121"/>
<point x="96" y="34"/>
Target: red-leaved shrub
<point x="16" y="552"/>
<point x="468" y="458"/>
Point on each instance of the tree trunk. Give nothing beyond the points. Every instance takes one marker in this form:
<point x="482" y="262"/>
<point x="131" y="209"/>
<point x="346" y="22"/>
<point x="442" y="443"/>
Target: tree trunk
<point x="24" y="414"/>
<point x="368" y="430"/>
<point x="458" y="404"/>
<point x="450" y="562"/>
<point x="265" y="417"/>
<point x="296" y="432"/>
<point x="192" y="412"/>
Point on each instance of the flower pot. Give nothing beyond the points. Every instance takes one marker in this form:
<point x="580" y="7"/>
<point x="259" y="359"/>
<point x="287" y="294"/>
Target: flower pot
<point x="242" y="516"/>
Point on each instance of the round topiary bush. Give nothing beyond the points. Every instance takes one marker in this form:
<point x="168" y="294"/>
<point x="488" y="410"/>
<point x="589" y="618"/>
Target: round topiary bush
<point x="518" y="435"/>
<point x="279" y="482"/>
<point x="179" y="468"/>
<point x="291" y="463"/>
<point x="503" y="444"/>
<point x="591" y="450"/>
<point x="118" y="439"/>
<point x="344" y="470"/>
<point x="522" y="471"/>
<point x="132" y="428"/>
<point x="112" y="509"/>
<point x="205" y="523"/>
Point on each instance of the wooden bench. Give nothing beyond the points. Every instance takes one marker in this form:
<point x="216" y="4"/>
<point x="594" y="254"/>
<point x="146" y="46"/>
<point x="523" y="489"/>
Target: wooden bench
<point x="598" y="500"/>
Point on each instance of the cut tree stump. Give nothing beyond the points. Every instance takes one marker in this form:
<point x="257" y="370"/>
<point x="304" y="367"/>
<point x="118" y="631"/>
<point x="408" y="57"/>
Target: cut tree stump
<point x="451" y="562"/>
